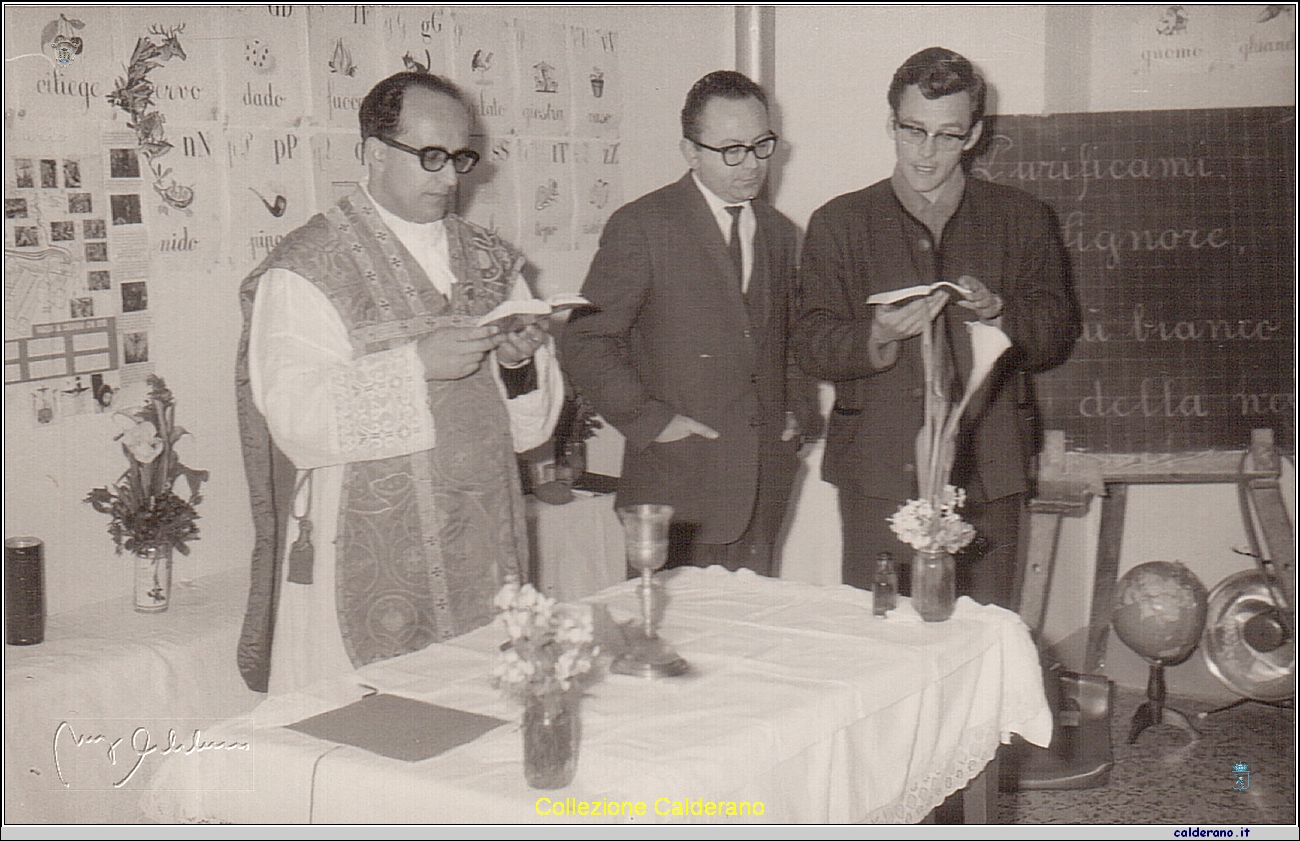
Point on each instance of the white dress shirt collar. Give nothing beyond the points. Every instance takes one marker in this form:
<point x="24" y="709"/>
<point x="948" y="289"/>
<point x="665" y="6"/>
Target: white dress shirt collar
<point x="748" y="226"/>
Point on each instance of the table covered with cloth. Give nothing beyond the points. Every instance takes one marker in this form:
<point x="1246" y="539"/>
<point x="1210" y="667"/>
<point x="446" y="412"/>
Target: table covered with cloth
<point x="106" y="673"/>
<point x="799" y="703"/>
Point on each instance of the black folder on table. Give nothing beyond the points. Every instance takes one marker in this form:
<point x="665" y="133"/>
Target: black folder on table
<point x="398" y="727"/>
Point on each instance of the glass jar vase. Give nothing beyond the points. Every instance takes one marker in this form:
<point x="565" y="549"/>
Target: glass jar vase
<point x="153" y="579"/>
<point x="934" y="584"/>
<point x="552" y="731"/>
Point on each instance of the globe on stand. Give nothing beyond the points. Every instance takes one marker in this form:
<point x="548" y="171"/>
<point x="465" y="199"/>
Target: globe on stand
<point x="1160" y="613"/>
<point x="645" y="530"/>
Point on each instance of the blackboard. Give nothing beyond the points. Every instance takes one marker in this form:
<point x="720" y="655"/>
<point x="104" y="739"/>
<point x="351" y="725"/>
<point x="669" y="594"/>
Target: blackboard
<point x="1180" y="226"/>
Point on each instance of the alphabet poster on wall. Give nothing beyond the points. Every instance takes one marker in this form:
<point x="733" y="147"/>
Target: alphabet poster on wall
<point x="1187" y="40"/>
<point x="597" y="89"/>
<point x="271" y="189"/>
<point x="484" y="67"/>
<point x="547" y="209"/>
<point x="158" y="145"/>
<point x="418" y="38"/>
<point x="347" y="55"/>
<point x="264" y="69"/>
<point x="489" y="195"/>
<point x="599" y="188"/>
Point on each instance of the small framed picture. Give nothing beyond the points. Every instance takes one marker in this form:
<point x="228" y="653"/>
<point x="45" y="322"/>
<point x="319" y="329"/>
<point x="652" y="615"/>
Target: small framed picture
<point x="123" y="163"/>
<point x="125" y="209"/>
<point x="135" y="296"/>
<point x="135" y="347"/>
<point x="24" y="173"/>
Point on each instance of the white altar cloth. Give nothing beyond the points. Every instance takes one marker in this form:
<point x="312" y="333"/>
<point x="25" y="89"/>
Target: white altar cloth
<point x="798" y="699"/>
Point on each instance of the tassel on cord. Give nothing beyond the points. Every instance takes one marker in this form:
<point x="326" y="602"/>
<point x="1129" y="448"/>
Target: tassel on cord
<point x="302" y="554"/>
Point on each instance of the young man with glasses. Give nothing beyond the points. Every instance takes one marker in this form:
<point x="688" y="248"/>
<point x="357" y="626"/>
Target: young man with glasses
<point x="930" y="222"/>
<point x="379" y="423"/>
<point x="686" y="351"/>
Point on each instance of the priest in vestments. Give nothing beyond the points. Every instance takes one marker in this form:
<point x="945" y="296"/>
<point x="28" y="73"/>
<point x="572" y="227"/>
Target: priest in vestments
<point x="379" y="423"/>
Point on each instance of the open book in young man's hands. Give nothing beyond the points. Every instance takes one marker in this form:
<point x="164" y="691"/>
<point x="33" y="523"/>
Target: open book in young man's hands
<point x="513" y="315"/>
<point x="895" y="296"/>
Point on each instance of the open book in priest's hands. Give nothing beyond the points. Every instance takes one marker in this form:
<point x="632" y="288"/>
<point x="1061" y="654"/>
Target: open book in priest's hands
<point x="514" y="315"/>
<point x="896" y="296"/>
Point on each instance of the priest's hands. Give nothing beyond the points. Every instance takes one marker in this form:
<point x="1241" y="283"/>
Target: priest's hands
<point x="452" y="353"/>
<point x="518" y="347"/>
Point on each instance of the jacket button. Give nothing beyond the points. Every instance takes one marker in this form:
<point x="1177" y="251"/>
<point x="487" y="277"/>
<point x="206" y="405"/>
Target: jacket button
<point x="909" y="468"/>
<point x="923" y="244"/>
<point x="918" y="392"/>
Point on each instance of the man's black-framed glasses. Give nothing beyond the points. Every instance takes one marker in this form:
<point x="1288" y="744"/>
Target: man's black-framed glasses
<point x="945" y="140"/>
<point x="735" y="155"/>
<point x="434" y="158"/>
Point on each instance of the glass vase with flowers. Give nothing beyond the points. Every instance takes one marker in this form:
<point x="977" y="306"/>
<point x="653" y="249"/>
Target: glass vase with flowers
<point x="146" y="516"/>
<point x="931" y="525"/>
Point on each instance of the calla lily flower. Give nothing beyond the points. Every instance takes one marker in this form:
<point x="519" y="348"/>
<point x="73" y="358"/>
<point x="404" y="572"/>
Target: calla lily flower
<point x="936" y="442"/>
<point x="142" y="442"/>
<point x="987" y="344"/>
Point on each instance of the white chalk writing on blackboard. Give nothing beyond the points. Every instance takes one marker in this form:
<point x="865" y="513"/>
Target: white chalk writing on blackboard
<point x="1266" y="404"/>
<point x="1177" y="225"/>
<point x="1205" y="329"/>
<point x="1154" y="397"/>
<point x="1114" y="243"/>
<point x="1087" y="167"/>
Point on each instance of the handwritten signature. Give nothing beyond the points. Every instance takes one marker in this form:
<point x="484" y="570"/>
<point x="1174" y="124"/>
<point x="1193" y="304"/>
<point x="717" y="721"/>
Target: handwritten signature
<point x="140" y="746"/>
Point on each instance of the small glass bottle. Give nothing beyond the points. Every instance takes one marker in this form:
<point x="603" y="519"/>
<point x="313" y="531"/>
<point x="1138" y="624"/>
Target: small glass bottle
<point x="884" y="585"/>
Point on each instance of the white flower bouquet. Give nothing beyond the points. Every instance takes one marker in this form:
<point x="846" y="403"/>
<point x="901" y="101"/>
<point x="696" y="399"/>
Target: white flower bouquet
<point x="145" y="511"/>
<point x="551" y="645"/>
<point x="920" y="525"/>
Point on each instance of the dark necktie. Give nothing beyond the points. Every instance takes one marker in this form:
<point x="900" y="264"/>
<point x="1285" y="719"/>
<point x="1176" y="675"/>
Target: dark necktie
<point x="733" y="246"/>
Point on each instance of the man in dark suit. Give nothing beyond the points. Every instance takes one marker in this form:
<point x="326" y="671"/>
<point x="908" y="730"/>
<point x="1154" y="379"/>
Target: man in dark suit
<point x="929" y="222"/>
<point x="685" y="350"/>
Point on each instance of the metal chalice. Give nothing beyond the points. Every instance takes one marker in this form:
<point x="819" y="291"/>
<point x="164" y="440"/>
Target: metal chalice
<point x="645" y="529"/>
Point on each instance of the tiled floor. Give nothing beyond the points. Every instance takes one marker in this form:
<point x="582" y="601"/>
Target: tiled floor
<point x="1166" y="779"/>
